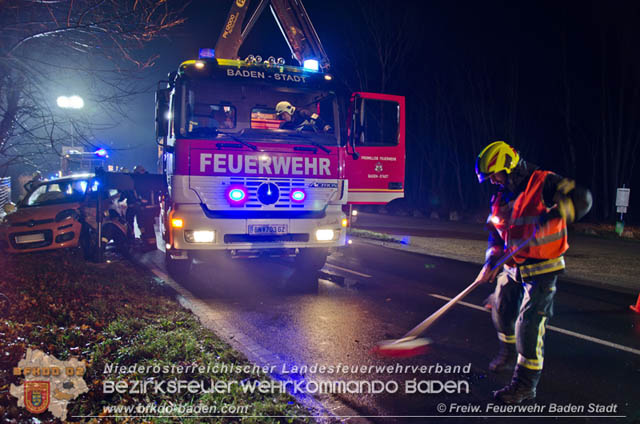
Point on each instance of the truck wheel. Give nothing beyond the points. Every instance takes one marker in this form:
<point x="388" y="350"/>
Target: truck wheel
<point x="311" y="259"/>
<point x="177" y="268"/>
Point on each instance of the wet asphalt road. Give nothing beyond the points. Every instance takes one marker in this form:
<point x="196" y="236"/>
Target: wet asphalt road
<point x="369" y="293"/>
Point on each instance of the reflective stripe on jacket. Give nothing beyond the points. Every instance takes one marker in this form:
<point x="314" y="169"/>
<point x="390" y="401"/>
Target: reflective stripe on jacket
<point x="550" y="241"/>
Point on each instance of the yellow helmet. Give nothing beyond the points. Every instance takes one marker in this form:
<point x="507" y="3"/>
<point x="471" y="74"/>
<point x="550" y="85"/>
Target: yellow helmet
<point x="497" y="156"/>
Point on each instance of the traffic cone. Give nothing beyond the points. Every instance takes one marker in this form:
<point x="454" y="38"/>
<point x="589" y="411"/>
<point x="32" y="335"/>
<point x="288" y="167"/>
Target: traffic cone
<point x="636" y="308"/>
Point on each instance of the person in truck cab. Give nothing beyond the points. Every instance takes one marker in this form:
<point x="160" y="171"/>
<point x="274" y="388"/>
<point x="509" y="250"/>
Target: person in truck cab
<point x="299" y="119"/>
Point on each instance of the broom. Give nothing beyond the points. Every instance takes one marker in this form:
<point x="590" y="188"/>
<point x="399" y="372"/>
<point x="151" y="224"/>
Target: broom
<point x="410" y="344"/>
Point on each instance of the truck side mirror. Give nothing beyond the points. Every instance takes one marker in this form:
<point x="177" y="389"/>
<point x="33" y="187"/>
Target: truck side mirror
<point x="162" y="112"/>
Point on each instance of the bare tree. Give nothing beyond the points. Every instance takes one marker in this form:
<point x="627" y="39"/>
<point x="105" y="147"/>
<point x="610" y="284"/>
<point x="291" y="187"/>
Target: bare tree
<point x="97" y="43"/>
<point x="613" y="141"/>
<point x="381" y="40"/>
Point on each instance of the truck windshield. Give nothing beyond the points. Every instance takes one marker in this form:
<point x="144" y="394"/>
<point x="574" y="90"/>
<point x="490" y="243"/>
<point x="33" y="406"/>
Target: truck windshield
<point x="212" y="108"/>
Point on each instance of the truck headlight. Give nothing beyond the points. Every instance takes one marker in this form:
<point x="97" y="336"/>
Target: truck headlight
<point x="324" y="235"/>
<point x="200" y="236"/>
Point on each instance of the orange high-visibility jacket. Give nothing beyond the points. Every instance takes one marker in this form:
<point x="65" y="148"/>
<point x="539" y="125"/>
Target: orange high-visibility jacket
<point x="550" y="240"/>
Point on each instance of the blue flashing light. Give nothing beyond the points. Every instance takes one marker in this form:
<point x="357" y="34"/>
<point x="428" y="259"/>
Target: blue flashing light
<point x="298" y="196"/>
<point x="207" y="53"/>
<point x="311" y="65"/>
<point x="236" y="194"/>
<point x="101" y="152"/>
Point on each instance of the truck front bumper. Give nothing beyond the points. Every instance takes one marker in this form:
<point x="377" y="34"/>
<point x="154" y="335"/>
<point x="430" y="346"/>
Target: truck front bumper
<point x="236" y="234"/>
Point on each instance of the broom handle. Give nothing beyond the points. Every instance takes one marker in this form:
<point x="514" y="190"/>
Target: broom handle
<point x="422" y="327"/>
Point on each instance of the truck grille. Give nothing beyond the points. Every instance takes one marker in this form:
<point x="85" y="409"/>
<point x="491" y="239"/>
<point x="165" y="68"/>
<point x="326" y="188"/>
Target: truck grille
<point x="212" y="191"/>
<point x="284" y="184"/>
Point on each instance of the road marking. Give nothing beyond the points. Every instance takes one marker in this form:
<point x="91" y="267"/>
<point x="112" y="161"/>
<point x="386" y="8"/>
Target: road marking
<point x="556" y="329"/>
<point x="348" y="270"/>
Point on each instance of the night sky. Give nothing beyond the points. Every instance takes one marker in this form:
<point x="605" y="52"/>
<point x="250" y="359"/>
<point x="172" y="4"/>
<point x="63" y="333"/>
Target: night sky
<point x="528" y="55"/>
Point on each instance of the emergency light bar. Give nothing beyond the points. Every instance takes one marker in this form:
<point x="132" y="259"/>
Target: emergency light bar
<point x="311" y="65"/>
<point x="207" y="53"/>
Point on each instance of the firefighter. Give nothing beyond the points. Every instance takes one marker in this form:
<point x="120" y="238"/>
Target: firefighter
<point x="536" y="205"/>
<point x="145" y="207"/>
<point x="298" y="119"/>
<point x="135" y="204"/>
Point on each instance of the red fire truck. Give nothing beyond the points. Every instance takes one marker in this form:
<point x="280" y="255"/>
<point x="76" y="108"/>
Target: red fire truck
<point x="244" y="178"/>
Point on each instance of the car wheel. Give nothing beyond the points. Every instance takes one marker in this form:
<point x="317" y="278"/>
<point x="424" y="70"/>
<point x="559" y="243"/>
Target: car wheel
<point x="311" y="259"/>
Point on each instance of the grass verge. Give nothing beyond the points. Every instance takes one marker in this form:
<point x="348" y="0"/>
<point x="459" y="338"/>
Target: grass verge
<point x="373" y="235"/>
<point x="115" y="314"/>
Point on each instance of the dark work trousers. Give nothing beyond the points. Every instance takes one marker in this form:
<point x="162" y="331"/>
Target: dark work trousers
<point x="520" y="312"/>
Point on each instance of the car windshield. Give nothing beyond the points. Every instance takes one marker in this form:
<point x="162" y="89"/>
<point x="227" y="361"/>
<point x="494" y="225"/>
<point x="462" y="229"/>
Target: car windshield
<point x="211" y="108"/>
<point x="56" y="192"/>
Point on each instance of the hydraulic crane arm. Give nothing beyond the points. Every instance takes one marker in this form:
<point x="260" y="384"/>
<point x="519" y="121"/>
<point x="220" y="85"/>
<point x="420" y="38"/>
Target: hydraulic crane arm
<point x="230" y="38"/>
<point x="299" y="32"/>
<point x="291" y="17"/>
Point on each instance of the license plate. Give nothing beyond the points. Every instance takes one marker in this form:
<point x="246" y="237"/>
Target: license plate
<point x="268" y="229"/>
<point x="30" y="238"/>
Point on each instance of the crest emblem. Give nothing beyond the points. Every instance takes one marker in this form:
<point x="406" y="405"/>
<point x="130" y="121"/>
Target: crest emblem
<point x="379" y="167"/>
<point x="36" y="396"/>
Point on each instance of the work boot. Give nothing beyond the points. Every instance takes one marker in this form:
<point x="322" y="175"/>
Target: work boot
<point x="505" y="358"/>
<point x="522" y="387"/>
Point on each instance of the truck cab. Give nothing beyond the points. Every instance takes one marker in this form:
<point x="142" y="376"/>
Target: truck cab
<point x="263" y="158"/>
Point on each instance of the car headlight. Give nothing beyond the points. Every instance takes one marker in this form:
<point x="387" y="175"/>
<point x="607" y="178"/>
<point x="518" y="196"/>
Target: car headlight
<point x="66" y="214"/>
<point x="200" y="236"/>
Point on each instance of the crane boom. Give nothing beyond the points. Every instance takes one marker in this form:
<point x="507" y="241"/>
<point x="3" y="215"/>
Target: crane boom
<point x="293" y="21"/>
<point x="230" y="38"/>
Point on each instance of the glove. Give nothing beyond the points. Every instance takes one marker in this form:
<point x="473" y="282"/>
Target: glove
<point x="566" y="209"/>
<point x="487" y="274"/>
<point x="564" y="204"/>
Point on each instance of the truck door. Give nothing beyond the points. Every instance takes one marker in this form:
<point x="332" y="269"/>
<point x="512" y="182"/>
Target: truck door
<point x="376" y="148"/>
